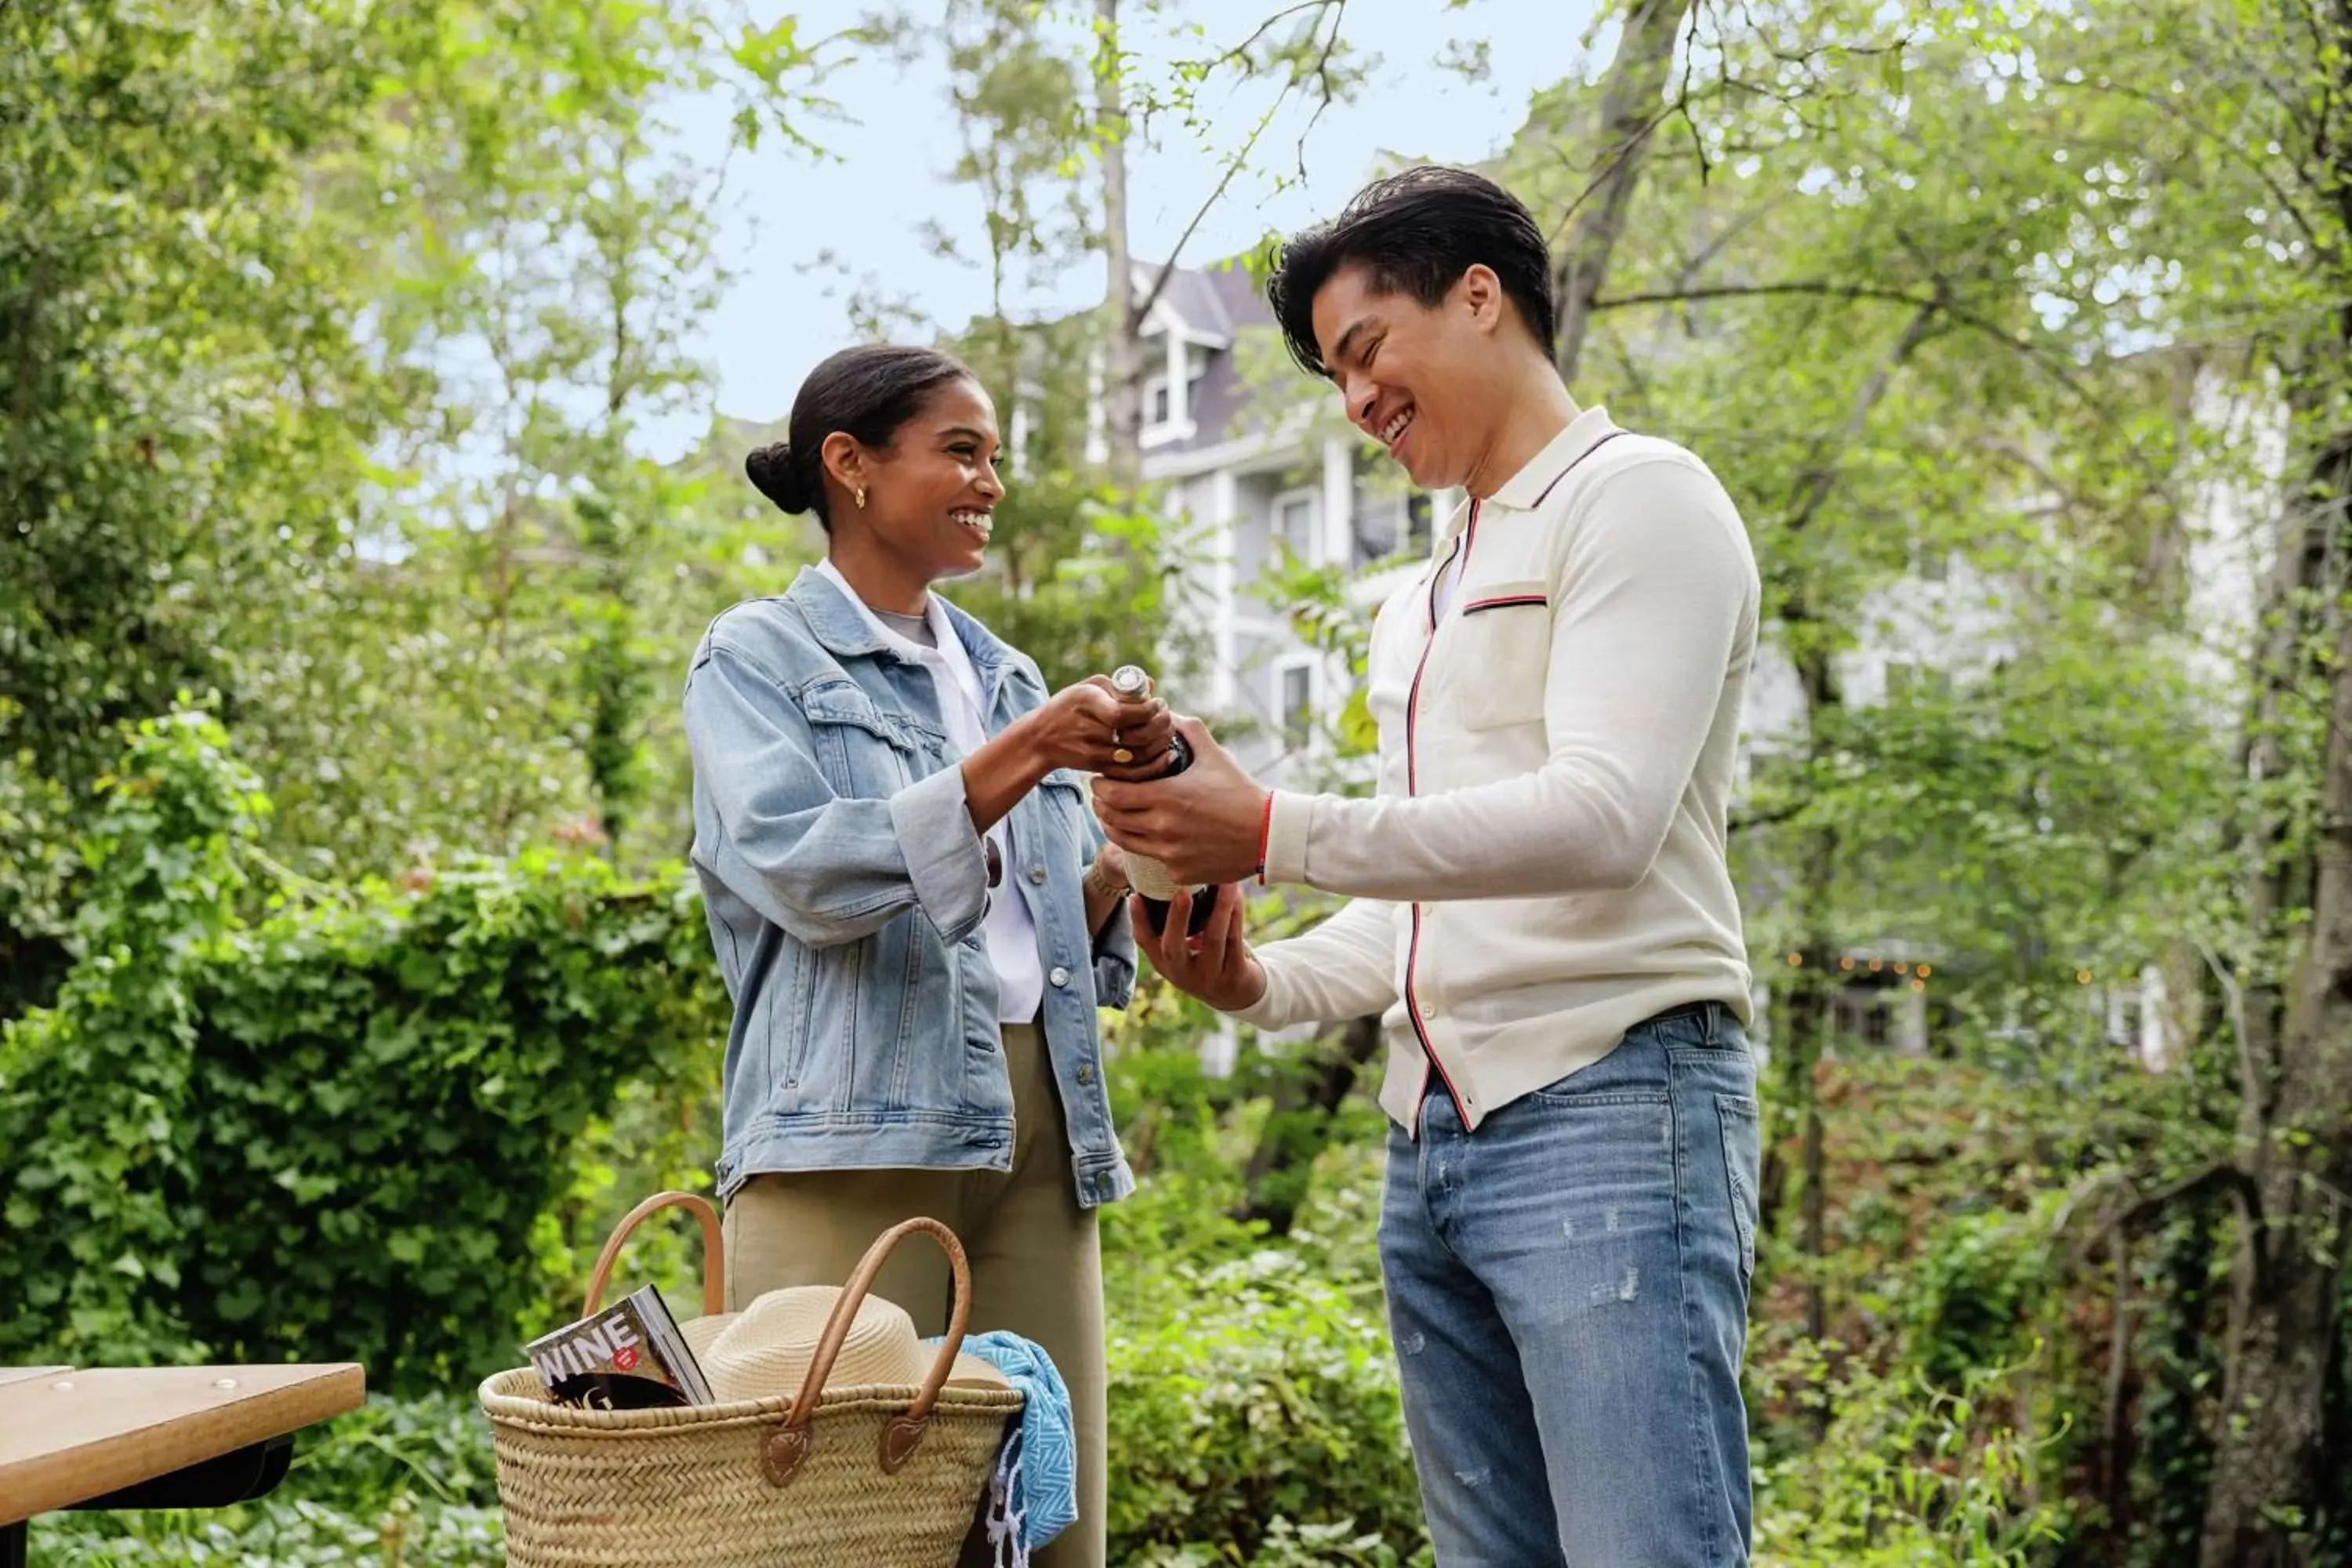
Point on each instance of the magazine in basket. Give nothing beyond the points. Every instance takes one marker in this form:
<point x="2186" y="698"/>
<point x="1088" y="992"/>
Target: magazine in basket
<point x="630" y="1356"/>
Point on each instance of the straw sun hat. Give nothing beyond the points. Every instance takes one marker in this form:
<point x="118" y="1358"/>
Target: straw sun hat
<point x="763" y="1352"/>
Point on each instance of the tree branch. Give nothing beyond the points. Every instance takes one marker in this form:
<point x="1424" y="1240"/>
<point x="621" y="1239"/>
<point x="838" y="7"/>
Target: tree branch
<point x="1745" y="821"/>
<point x="1241" y="51"/>
<point x="1824" y="288"/>
<point x="2221" y="1176"/>
<point x="1234" y="165"/>
<point x="1645" y="52"/>
<point x="2226" y="144"/>
<point x="1200" y="213"/>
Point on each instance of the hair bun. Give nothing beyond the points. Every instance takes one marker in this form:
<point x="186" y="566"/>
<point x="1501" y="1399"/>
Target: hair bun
<point x="770" y="468"/>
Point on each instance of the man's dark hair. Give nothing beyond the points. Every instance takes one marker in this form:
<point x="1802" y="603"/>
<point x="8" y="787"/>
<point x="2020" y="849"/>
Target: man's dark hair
<point x="1416" y="233"/>
<point x="869" y="391"/>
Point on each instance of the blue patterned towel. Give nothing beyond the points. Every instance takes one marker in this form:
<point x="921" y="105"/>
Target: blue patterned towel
<point x="1037" y="1480"/>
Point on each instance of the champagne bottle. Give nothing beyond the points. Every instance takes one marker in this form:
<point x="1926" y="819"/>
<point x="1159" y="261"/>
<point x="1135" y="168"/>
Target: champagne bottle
<point x="1144" y="874"/>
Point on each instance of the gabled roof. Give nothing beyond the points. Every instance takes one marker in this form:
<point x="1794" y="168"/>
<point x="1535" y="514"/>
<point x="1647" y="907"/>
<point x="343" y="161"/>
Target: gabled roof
<point x="1217" y="303"/>
<point x="1213" y="301"/>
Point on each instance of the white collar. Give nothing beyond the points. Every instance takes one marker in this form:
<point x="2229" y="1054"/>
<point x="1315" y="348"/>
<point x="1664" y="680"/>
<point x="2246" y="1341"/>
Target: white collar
<point x="1526" y="490"/>
<point x="935" y="616"/>
<point x="951" y="655"/>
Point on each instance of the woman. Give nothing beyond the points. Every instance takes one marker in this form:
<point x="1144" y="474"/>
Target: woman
<point x="913" y="908"/>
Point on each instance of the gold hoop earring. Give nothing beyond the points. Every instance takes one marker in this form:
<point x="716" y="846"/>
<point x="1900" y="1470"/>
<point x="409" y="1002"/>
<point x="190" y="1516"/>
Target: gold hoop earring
<point x="861" y="498"/>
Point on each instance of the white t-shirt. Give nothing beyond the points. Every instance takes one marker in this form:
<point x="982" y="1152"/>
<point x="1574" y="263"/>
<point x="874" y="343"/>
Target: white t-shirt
<point x="1009" y="929"/>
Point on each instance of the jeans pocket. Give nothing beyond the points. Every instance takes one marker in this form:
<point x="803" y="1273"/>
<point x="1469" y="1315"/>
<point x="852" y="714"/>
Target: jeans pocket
<point x="1742" y="1153"/>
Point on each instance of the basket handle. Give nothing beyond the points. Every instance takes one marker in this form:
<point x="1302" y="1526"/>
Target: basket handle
<point x="781" y="1455"/>
<point x="714" y="1250"/>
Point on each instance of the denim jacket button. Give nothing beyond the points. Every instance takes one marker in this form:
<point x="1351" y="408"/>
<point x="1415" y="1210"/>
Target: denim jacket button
<point x="1037" y="876"/>
<point x="1060" y="976"/>
<point x="1086" y="1072"/>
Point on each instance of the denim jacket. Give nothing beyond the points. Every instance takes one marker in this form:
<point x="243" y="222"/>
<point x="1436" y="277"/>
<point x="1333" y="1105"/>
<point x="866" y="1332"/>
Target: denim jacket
<point x="844" y="887"/>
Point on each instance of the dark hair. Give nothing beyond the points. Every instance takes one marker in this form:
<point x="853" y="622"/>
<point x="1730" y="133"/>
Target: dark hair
<point x="869" y="393"/>
<point x="1416" y="233"/>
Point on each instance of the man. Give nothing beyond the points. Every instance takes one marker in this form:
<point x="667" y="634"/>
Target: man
<point x="1539" y="901"/>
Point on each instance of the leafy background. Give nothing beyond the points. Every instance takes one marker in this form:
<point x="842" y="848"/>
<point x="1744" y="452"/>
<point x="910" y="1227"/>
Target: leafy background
<point x="353" y="987"/>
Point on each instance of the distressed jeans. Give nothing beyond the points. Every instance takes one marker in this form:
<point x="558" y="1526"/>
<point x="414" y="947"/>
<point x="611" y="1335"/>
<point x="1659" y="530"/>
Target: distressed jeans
<point x="1567" y="1292"/>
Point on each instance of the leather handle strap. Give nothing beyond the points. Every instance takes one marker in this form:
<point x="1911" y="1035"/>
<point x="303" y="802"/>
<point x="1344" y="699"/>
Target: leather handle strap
<point x="788" y="1445"/>
<point x="714" y="1249"/>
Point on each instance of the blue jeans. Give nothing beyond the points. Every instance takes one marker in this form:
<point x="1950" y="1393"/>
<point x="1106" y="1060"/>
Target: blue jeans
<point x="1567" y="1290"/>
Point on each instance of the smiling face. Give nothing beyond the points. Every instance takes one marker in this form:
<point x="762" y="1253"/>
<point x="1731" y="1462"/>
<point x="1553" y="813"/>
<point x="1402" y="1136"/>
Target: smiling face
<point x="932" y="494"/>
<point x="1425" y="382"/>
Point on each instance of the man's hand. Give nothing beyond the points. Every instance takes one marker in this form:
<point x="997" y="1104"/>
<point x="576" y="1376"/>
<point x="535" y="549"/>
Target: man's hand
<point x="1217" y="965"/>
<point x="1203" y="824"/>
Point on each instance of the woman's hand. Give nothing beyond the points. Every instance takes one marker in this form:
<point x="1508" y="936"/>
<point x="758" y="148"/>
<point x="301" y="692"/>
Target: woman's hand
<point x="1087" y="727"/>
<point x="1084" y="727"/>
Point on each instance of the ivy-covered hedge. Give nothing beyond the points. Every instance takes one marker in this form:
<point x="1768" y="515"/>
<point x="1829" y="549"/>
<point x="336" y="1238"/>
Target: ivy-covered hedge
<point x="333" y="1128"/>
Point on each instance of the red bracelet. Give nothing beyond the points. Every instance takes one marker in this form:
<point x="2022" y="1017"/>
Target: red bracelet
<point x="1265" y="836"/>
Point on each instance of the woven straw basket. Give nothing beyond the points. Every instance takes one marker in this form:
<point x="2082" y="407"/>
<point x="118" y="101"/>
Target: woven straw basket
<point x="867" y="1476"/>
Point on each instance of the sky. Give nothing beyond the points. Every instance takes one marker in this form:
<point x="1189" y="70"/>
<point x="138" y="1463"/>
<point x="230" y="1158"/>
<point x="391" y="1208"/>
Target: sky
<point x="885" y="172"/>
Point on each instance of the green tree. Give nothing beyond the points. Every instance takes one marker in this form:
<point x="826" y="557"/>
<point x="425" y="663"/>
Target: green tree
<point x="410" y="279"/>
<point x="2245" y="170"/>
<point x="181" y="434"/>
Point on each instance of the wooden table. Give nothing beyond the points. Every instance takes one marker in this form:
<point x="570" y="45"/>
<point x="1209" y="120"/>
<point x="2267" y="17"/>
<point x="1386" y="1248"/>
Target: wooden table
<point x="170" y="1436"/>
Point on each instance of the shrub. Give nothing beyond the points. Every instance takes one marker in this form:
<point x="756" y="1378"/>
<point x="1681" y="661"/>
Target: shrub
<point x="1903" y="1473"/>
<point x="388" y="1099"/>
<point x="1973" y="1295"/>
<point x="1258" y="1393"/>
<point x="332" y="1133"/>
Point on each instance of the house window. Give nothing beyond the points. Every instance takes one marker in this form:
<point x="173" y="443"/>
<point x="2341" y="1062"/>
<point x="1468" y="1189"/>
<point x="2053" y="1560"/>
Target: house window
<point x="1155" y="401"/>
<point x="1295" y="703"/>
<point x="1294" y="523"/>
<point x="1388" y="523"/>
<point x="1931" y="563"/>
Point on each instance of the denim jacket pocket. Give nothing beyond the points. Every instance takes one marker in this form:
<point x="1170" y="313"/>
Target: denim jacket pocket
<point x="863" y="752"/>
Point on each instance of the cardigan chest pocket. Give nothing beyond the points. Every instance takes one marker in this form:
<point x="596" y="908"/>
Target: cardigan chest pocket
<point x="1502" y="649"/>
